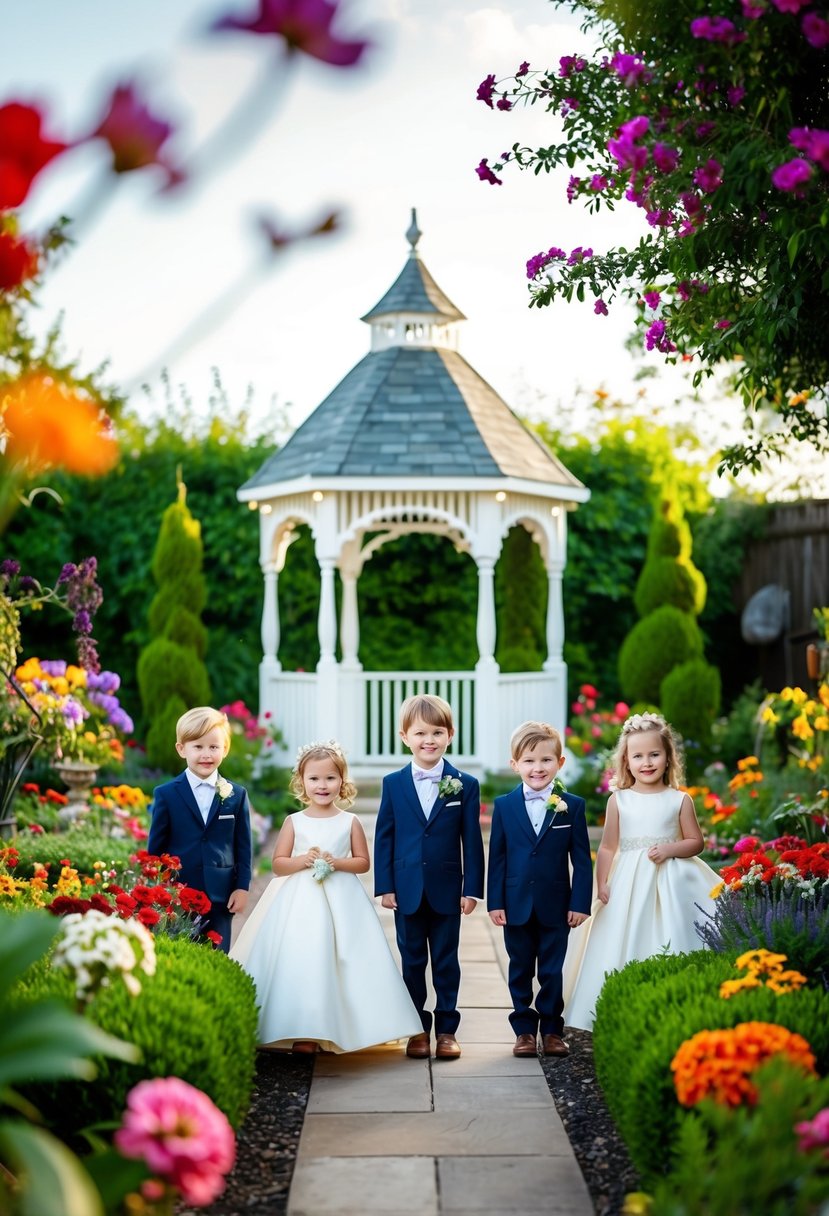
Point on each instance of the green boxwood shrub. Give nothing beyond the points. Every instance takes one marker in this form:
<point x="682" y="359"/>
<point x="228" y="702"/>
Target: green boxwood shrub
<point x="746" y="1161"/>
<point x="195" y="1019"/>
<point x="648" y="1009"/>
<point x="82" y="846"/>
<point x="668" y="580"/>
<point x="656" y="644"/>
<point x="690" y="698"/>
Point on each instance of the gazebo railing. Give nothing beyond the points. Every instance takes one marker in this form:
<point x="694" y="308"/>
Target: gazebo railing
<point x="385" y="692"/>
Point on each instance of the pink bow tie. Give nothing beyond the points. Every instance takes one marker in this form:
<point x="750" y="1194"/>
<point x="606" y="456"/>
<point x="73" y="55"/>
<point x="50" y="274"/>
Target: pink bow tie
<point x="534" y="796"/>
<point x="421" y="775"/>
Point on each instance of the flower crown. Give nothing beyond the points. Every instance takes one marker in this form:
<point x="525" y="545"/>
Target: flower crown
<point x="646" y="721"/>
<point x="326" y="745"/>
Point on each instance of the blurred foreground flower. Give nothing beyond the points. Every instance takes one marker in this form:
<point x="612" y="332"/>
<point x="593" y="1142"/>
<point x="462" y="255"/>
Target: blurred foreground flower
<point x="135" y="135"/>
<point x="18" y="261"/>
<point x="305" y="25"/>
<point x="23" y="151"/>
<point x="95" y="946"/>
<point x="45" y="425"/>
<point x="181" y="1135"/>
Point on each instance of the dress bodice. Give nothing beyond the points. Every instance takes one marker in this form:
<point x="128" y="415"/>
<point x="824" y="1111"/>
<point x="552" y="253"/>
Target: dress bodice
<point x="646" y="819"/>
<point x="332" y="833"/>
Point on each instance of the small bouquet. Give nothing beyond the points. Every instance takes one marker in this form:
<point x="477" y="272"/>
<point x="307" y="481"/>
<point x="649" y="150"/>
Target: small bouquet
<point x="449" y="786"/>
<point x="556" y="800"/>
<point x="321" y="869"/>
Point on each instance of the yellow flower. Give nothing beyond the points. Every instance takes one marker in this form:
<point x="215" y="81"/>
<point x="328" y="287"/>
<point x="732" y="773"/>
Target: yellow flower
<point x="716" y="891"/>
<point x="801" y="728"/>
<point x="747" y="762"/>
<point x="768" y="715"/>
<point x="8" y="888"/>
<point x="786" y="981"/>
<point x="821" y="722"/>
<point x="637" y="1203"/>
<point x="729" y="987"/>
<point x="761" y="962"/>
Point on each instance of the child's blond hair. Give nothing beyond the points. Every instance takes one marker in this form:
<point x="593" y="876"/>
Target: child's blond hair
<point x="432" y="710"/>
<point x="530" y="734"/>
<point x="197" y="722"/>
<point x="638" y="724"/>
<point x="322" y="751"/>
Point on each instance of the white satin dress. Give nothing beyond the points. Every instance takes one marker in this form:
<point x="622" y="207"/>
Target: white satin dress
<point x="652" y="908"/>
<point x="319" y="957"/>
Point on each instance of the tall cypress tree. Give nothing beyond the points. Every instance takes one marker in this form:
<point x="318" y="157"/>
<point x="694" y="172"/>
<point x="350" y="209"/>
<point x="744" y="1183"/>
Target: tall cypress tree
<point x="172" y="677"/>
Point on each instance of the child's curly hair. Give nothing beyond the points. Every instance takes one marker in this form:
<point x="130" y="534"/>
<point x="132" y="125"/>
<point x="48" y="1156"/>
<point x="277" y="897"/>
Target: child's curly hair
<point x="329" y="750"/>
<point x="638" y="724"/>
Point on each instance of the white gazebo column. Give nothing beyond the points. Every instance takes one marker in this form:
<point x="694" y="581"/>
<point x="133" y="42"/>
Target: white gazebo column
<point x="555" y="616"/>
<point x="270" y="619"/>
<point x="327" y="670"/>
<point x="554" y="663"/>
<point x="486" y="669"/>
<point x="352" y="701"/>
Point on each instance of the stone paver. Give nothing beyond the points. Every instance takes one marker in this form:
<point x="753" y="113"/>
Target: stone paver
<point x="478" y="1136"/>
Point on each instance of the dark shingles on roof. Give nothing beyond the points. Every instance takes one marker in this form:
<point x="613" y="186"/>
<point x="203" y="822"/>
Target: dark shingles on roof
<point x="415" y="291"/>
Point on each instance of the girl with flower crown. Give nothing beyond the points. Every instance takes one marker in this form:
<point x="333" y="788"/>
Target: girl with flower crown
<point x="650" y="881"/>
<point x="314" y="946"/>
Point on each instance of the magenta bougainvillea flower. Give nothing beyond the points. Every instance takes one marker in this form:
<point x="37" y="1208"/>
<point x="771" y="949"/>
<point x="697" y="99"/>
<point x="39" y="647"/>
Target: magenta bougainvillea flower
<point x="792" y="175"/>
<point x="24" y="151"/>
<point x="716" y="29"/>
<point x="708" y="176"/>
<point x="486" y="175"/>
<point x="815" y="30"/>
<point x="305" y="25"/>
<point x="181" y="1135"/>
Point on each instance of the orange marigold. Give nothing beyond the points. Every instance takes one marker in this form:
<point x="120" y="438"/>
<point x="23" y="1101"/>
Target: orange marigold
<point x="46" y="425"/>
<point x="718" y="1063"/>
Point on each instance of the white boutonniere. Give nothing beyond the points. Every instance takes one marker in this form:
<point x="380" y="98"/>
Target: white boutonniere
<point x="555" y="802"/>
<point x="223" y="788"/>
<point x="448" y="786"/>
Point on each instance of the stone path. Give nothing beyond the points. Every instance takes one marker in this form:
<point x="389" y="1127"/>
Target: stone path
<point x="478" y="1135"/>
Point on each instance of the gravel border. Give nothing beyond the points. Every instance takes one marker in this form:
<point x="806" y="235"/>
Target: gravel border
<point x="598" y="1147"/>
<point x="268" y="1140"/>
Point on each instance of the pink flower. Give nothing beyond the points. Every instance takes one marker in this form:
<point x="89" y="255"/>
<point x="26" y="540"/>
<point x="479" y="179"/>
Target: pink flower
<point x="708" y="176"/>
<point x="723" y="324"/>
<point x="652" y="299"/>
<point x="813" y="142"/>
<point x="630" y="68"/>
<point x="621" y="710"/>
<point x="752" y="9"/>
<point x="715" y="29"/>
<point x="791" y="175"/>
<point x="815" y="30"/>
<point x="790" y="6"/>
<point x="305" y="25"/>
<point x="815" y="1133"/>
<point x="486" y="175"/>
<point x="747" y="844"/>
<point x="180" y="1134"/>
<point x="600" y="308"/>
<point x="523" y="69"/>
<point x="135" y="136"/>
<point x="665" y="158"/>
<point x="485" y="90"/>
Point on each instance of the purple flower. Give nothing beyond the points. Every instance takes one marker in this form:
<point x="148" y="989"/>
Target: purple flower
<point x="662" y="218"/>
<point x="683" y="290"/>
<point x="630" y="69"/>
<point x="704" y="130"/>
<point x="54" y="667"/>
<point x="134" y="134"/>
<point x="598" y="182"/>
<point x="522" y="71"/>
<point x="715" y="29"/>
<point x="486" y="175"/>
<point x="815" y="30"/>
<point x="304" y="25"/>
<point x="568" y="64"/>
<point x="665" y="158"/>
<point x="103" y="681"/>
<point x="88" y="653"/>
<point x="813" y="142"/>
<point x="67" y="572"/>
<point x="652" y="299"/>
<point x="485" y="91"/>
<point x="536" y="264"/>
<point x="792" y="175"/>
<point x="708" y="176"/>
<point x="73" y="712"/>
<point x="82" y="622"/>
<point x="504" y="103"/>
<point x="657" y="338"/>
<point x="573" y="188"/>
<point x="29" y="585"/>
<point x="752" y="9"/>
<point x="691" y="202"/>
<point x="121" y="720"/>
<point x="579" y="255"/>
<point x="790" y="6"/>
<point x="722" y="324"/>
<point x="600" y="308"/>
<point x="735" y="95"/>
<point x="9" y="568"/>
<point x="569" y="104"/>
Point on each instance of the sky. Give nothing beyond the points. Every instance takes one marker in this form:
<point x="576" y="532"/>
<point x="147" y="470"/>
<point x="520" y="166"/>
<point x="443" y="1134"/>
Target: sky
<point x="401" y="130"/>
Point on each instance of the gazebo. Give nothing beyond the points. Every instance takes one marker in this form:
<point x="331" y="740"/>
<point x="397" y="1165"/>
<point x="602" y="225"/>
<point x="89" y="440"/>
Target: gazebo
<point x="411" y="440"/>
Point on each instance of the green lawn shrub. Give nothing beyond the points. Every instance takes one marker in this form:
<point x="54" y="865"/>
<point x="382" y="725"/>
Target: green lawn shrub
<point x="648" y="1009"/>
<point x="195" y="1019"/>
<point x="82" y="846"/>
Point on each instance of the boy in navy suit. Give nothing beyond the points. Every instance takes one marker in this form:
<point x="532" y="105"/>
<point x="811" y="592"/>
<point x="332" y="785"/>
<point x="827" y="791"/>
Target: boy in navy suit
<point x="429" y="866"/>
<point x="205" y="820"/>
<point x="538" y="832"/>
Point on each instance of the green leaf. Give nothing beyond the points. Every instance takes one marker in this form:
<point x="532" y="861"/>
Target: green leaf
<point x="115" y="1176"/>
<point x="47" y="1041"/>
<point x="53" y="1181"/>
<point x="24" y="939"/>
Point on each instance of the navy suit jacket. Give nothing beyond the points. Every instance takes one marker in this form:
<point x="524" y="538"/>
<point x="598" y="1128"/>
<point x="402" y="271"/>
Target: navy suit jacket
<point x="216" y="856"/>
<point x="441" y="857"/>
<point x="529" y="873"/>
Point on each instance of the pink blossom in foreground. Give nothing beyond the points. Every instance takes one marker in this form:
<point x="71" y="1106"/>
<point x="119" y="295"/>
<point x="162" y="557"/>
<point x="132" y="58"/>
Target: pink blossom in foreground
<point x="815" y="30"/>
<point x="752" y="9"/>
<point x="708" y="176"/>
<point x="304" y="25"/>
<point x="181" y="1135"/>
<point x="814" y="1133"/>
<point x="791" y="175"/>
<point x="716" y="29"/>
<point x="813" y="142"/>
<point x="486" y="175"/>
<point x="790" y="6"/>
<point x="135" y="136"/>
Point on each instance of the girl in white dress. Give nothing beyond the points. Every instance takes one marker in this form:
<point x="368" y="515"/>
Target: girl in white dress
<point x="649" y="879"/>
<point x="314" y="946"/>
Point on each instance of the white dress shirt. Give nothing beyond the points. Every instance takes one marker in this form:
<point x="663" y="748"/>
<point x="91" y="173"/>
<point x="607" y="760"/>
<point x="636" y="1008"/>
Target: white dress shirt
<point x="536" y="803"/>
<point x="204" y="791"/>
<point x="427" y="791"/>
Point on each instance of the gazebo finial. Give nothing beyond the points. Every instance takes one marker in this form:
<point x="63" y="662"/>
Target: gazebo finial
<point x="413" y="233"/>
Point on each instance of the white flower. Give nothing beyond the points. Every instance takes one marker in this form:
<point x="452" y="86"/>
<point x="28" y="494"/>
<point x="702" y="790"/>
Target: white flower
<point x="321" y="869"/>
<point x="223" y="788"/>
<point x="95" y="946"/>
<point x="448" y="786"/>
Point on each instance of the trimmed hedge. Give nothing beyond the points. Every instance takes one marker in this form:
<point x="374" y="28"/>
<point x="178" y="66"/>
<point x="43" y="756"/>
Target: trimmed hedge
<point x="81" y="846"/>
<point x="195" y="1019"/>
<point x="655" y="645"/>
<point x="690" y="698"/>
<point x="648" y="1009"/>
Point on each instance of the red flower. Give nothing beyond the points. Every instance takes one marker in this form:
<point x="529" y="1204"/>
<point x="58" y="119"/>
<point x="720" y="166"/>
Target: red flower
<point x="126" y="905"/>
<point x="305" y="25"/>
<point x="148" y="917"/>
<point x="99" y="904"/>
<point x="143" y="894"/>
<point x="30" y="788"/>
<point x="135" y="136"/>
<point x="194" y="901"/>
<point x="36" y="829"/>
<point x="18" y="261"/>
<point x="214" y="937"/>
<point x="23" y="152"/>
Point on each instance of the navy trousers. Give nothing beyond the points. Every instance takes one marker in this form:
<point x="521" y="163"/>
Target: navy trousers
<point x="533" y="947"/>
<point x="421" y="935"/>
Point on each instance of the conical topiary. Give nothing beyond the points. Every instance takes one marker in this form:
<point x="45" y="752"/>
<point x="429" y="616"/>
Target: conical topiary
<point x="668" y="575"/>
<point x="171" y="675"/>
<point x="690" y="698"/>
<point x="655" y="645"/>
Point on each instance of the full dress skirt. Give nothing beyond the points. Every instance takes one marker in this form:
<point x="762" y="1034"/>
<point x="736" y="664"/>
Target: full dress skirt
<point x="651" y="910"/>
<point x="318" y="956"/>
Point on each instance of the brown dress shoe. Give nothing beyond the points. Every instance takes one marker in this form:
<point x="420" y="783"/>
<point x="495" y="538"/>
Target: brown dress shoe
<point x="418" y="1047"/>
<point x="525" y="1045"/>
<point x="447" y="1047"/>
<point x="552" y="1045"/>
<point x="305" y="1047"/>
